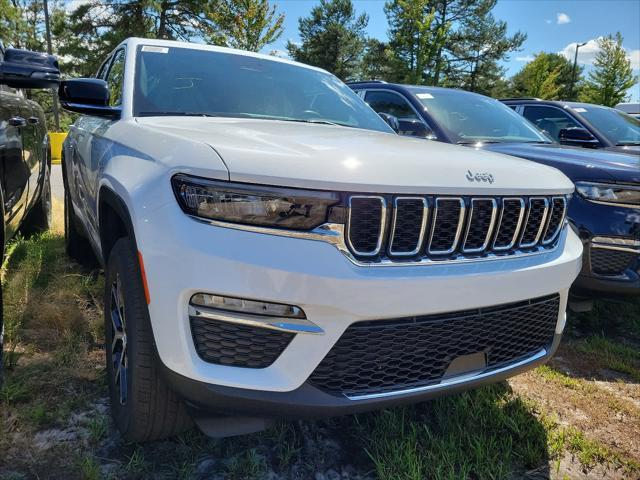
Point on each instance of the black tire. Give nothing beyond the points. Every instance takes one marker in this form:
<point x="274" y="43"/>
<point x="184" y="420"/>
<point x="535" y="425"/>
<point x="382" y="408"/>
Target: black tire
<point x="39" y="217"/>
<point x="142" y="405"/>
<point x="76" y="245"/>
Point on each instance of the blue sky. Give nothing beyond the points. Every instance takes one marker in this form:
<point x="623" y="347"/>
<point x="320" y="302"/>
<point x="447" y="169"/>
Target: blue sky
<point x="551" y="26"/>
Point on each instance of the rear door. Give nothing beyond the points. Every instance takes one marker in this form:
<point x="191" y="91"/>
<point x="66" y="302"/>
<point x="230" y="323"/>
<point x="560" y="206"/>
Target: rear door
<point x="14" y="173"/>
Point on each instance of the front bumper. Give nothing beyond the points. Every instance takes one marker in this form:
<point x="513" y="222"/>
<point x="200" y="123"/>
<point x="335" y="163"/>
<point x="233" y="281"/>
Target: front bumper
<point x="307" y="401"/>
<point x="314" y="275"/>
<point x="611" y="259"/>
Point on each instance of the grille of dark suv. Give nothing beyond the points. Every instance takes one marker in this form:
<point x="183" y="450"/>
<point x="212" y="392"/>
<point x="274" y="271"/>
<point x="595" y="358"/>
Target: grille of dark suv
<point x="436" y="228"/>
<point x="391" y="355"/>
<point x="605" y="261"/>
<point x="231" y="344"/>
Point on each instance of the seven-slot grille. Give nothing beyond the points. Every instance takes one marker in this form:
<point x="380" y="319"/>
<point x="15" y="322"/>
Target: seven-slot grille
<point x="417" y="227"/>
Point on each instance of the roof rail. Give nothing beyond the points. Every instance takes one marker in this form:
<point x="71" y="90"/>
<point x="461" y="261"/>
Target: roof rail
<point x="519" y="98"/>
<point x="365" y="81"/>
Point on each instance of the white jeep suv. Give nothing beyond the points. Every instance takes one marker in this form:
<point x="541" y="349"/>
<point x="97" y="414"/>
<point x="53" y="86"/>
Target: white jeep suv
<point x="272" y="249"/>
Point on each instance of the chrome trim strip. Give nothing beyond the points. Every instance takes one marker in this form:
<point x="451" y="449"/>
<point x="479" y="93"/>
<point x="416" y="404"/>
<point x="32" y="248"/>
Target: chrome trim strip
<point x="461" y="218"/>
<point x="423" y="226"/>
<point x="281" y="324"/>
<point x="560" y="225"/>
<point x="616" y="248"/>
<point x="492" y="224"/>
<point x="543" y="221"/>
<point x="383" y="224"/>
<point x="516" y="232"/>
<point x="616" y="241"/>
<point x="450" y="382"/>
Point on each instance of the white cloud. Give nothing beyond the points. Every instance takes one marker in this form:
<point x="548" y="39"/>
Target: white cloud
<point x="71" y="5"/>
<point x="587" y="53"/>
<point x="562" y="18"/>
<point x="634" y="58"/>
<point x="279" y="53"/>
<point x="548" y="21"/>
<point x="526" y="58"/>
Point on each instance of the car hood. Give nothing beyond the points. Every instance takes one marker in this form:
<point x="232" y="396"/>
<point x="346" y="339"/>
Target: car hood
<point x="631" y="149"/>
<point x="340" y="158"/>
<point x="577" y="163"/>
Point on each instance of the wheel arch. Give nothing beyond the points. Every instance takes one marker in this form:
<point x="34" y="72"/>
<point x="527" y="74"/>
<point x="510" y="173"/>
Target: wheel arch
<point x="114" y="221"/>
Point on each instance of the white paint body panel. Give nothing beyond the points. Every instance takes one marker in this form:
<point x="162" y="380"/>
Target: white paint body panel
<point x="136" y="158"/>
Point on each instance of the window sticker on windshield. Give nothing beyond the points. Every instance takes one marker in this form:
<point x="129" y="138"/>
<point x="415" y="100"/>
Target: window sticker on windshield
<point x="423" y="96"/>
<point x="150" y="48"/>
<point x="579" y="110"/>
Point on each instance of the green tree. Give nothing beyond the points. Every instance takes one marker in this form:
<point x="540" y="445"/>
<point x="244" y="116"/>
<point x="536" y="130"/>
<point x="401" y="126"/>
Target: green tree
<point x="412" y="39"/>
<point x="247" y="24"/>
<point x="548" y="76"/>
<point x="476" y="49"/>
<point x="377" y="61"/>
<point x="333" y="38"/>
<point x="611" y="76"/>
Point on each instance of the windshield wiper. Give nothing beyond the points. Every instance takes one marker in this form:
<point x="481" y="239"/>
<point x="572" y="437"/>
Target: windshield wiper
<point x="627" y="144"/>
<point x="473" y="142"/>
<point x="314" y="120"/>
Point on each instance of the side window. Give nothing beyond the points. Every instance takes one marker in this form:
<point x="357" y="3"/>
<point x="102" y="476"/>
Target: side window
<point x="115" y="79"/>
<point x="550" y="119"/>
<point x="103" y="69"/>
<point x="391" y="103"/>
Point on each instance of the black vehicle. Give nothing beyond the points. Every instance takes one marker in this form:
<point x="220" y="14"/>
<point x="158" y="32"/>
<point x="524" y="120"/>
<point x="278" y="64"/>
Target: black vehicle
<point x="25" y="160"/>
<point x="581" y="124"/>
<point x="605" y="209"/>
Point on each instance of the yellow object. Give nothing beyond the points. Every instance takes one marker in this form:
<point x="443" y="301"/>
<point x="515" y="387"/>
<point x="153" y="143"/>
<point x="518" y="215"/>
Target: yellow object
<point x="55" y="140"/>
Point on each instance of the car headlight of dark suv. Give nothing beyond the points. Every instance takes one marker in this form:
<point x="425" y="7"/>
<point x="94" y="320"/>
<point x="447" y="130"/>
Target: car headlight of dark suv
<point x="250" y="204"/>
<point x="610" y="193"/>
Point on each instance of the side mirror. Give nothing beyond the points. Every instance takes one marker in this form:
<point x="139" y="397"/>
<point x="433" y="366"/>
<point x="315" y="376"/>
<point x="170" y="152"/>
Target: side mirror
<point x="27" y="69"/>
<point x="577" y="135"/>
<point x="89" y="96"/>
<point x="391" y="120"/>
<point x="415" y="128"/>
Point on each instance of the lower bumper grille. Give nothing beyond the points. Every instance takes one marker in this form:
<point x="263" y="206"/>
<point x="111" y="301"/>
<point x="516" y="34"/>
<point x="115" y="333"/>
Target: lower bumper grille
<point x="610" y="262"/>
<point x="389" y="355"/>
<point x="237" y="345"/>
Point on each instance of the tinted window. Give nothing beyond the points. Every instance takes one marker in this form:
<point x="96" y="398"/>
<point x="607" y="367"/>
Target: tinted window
<point x="550" y="119"/>
<point x="391" y="103"/>
<point x="115" y="79"/>
<point x="189" y="81"/>
<point x="618" y="127"/>
<point x="472" y="118"/>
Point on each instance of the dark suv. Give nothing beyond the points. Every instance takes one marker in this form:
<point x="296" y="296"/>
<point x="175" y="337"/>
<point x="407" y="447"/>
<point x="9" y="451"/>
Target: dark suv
<point x="25" y="162"/>
<point x="581" y="124"/>
<point x="606" y="207"/>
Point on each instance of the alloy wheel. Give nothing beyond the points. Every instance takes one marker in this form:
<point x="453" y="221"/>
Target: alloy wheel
<point x="119" y="357"/>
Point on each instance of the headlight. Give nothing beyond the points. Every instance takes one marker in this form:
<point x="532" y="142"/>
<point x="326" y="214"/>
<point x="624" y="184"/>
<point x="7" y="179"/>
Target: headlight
<point x="253" y="204"/>
<point x="627" y="195"/>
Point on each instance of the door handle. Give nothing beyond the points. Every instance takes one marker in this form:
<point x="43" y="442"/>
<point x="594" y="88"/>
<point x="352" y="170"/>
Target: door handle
<point x="17" y="122"/>
<point x="34" y="120"/>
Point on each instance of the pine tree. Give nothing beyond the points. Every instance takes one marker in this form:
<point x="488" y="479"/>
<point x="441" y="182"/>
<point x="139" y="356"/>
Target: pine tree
<point x="611" y="76"/>
<point x="333" y="38"/>
<point x="247" y="24"/>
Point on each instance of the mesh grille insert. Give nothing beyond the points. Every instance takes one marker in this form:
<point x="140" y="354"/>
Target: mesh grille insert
<point x="365" y="224"/>
<point x="508" y="228"/>
<point x="537" y="209"/>
<point x="390" y="355"/>
<point x="479" y="224"/>
<point x="409" y="218"/>
<point x="231" y="344"/>
<point x="445" y="228"/>
<point x="555" y="219"/>
<point x="610" y="262"/>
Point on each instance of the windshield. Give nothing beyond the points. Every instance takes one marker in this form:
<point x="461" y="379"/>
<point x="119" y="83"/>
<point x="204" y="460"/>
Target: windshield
<point x="469" y="118"/>
<point x="183" y="81"/>
<point x="618" y="127"/>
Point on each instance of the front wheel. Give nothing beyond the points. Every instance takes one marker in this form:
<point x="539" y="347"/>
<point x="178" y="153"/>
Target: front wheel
<point x="142" y="405"/>
<point x="39" y="217"/>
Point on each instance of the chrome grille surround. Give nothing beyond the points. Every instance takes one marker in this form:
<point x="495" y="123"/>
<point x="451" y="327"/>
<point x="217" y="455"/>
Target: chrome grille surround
<point x="460" y="228"/>
<point x="423" y="226"/>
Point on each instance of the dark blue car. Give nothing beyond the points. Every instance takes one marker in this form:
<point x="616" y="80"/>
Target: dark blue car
<point x="606" y="207"/>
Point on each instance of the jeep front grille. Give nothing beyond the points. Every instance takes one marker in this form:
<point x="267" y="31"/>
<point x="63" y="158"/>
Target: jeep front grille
<point x="445" y="227"/>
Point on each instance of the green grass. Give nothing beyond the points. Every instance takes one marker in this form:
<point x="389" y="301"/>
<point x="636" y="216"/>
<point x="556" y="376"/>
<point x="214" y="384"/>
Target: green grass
<point x="549" y="373"/>
<point x="613" y="355"/>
